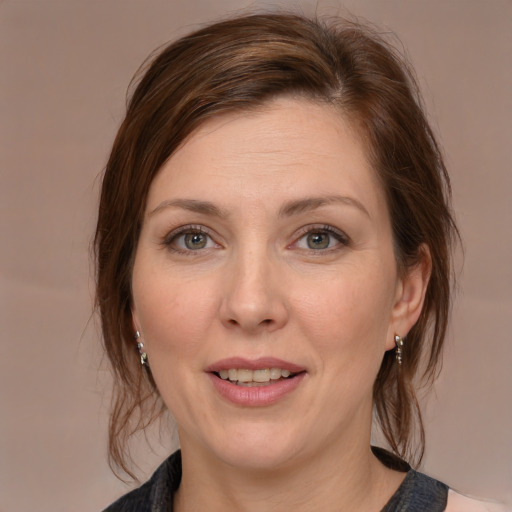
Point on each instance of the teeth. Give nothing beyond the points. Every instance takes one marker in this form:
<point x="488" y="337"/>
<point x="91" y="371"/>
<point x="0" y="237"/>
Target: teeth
<point x="261" y="375"/>
<point x="275" y="373"/>
<point x="244" y="375"/>
<point x="250" y="377"/>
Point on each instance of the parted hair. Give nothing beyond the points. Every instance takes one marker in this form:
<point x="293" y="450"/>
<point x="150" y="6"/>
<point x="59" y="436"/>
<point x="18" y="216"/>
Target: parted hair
<point x="240" y="64"/>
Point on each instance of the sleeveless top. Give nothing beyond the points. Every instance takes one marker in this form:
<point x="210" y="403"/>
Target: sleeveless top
<point x="417" y="493"/>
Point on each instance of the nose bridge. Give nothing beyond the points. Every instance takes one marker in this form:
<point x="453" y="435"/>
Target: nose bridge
<point x="253" y="299"/>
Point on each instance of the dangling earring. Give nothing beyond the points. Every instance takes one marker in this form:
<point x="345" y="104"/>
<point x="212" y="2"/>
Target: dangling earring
<point x="399" y="342"/>
<point x="140" y="346"/>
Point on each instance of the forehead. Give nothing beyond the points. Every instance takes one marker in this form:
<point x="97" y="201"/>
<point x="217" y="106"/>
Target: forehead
<point x="288" y="146"/>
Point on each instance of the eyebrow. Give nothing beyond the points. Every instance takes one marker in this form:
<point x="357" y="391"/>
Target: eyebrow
<point x="287" y="210"/>
<point x="193" y="205"/>
<point x="312" y="203"/>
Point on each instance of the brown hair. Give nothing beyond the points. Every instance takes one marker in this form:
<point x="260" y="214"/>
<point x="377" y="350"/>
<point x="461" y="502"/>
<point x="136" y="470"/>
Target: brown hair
<point x="239" y="64"/>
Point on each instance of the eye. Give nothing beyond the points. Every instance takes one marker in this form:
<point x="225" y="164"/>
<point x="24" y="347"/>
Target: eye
<point x="188" y="239"/>
<point x="194" y="241"/>
<point x="318" y="239"/>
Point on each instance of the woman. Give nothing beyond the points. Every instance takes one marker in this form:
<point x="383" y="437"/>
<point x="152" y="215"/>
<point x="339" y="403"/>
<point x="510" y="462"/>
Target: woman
<point x="274" y="237"/>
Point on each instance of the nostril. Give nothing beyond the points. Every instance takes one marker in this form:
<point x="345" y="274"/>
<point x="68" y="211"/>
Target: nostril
<point x="267" y="322"/>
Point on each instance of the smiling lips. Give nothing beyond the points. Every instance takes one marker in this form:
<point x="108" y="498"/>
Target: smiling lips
<point x="255" y="382"/>
<point x="251" y="378"/>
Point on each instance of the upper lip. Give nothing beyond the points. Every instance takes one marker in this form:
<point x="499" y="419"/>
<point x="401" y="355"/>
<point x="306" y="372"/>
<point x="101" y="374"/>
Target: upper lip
<point x="253" y="364"/>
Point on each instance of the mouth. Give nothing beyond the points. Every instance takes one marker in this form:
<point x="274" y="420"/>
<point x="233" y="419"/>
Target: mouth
<point x="255" y="378"/>
<point x="255" y="382"/>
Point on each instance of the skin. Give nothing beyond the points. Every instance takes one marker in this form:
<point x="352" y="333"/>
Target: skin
<point x="254" y="286"/>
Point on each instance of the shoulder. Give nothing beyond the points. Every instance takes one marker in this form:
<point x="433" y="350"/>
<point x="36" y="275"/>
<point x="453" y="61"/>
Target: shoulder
<point x="158" y="490"/>
<point x="418" y="492"/>
<point x="426" y="493"/>
<point x="460" y="503"/>
<point x="137" y="500"/>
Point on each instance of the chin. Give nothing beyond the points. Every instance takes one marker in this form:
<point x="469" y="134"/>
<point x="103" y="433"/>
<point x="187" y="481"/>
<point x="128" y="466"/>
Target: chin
<point x="254" y="447"/>
<point x="258" y="457"/>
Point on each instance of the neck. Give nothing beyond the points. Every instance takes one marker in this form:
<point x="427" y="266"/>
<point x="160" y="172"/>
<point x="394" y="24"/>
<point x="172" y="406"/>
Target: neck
<point x="342" y="478"/>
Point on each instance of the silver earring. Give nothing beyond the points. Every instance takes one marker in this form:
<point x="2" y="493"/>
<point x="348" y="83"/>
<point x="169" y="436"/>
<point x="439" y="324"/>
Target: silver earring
<point x="399" y="342"/>
<point x="140" y="346"/>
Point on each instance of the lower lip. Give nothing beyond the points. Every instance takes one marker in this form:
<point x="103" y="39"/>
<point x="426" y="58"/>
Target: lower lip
<point x="257" y="396"/>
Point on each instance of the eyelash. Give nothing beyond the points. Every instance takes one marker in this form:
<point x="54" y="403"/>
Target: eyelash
<point x="170" y="240"/>
<point x="338" y="235"/>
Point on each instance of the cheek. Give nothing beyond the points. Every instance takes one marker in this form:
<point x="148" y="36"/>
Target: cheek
<point x="348" y="313"/>
<point x="173" y="316"/>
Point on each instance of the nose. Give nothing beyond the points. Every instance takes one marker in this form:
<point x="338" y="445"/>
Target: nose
<point x="254" y="295"/>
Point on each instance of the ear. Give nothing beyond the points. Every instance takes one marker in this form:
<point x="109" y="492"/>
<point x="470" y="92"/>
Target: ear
<point x="410" y="296"/>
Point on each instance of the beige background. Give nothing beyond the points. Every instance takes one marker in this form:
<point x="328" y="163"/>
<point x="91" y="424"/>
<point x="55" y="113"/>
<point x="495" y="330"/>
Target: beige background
<point x="64" y="68"/>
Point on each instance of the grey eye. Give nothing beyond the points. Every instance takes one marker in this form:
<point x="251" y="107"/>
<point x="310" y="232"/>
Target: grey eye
<point x="322" y="239"/>
<point x="194" y="241"/>
<point x="318" y="240"/>
<point x="189" y="239"/>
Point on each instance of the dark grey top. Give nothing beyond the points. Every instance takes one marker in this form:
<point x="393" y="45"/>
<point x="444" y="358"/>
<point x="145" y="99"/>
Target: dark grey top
<point x="418" y="492"/>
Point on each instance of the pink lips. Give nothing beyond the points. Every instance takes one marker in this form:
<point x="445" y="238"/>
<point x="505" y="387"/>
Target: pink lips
<point x="255" y="396"/>
<point x="254" y="364"/>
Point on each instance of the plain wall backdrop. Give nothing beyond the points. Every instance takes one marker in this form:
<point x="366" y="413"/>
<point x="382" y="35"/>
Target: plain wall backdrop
<point x="64" y="69"/>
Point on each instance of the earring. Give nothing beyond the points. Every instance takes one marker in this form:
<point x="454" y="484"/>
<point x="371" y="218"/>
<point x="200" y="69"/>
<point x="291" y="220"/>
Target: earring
<point x="140" y="346"/>
<point x="399" y="342"/>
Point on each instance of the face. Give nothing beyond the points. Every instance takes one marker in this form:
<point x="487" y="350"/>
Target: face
<point x="265" y="286"/>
